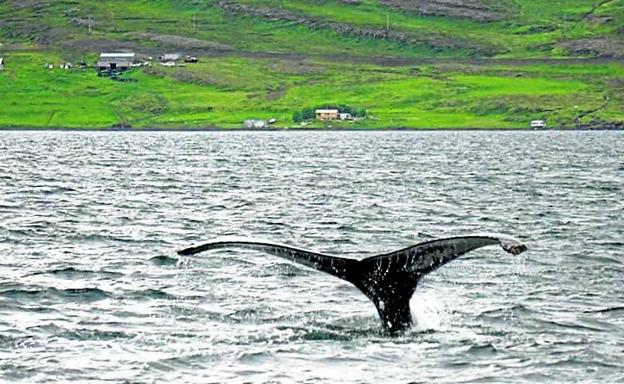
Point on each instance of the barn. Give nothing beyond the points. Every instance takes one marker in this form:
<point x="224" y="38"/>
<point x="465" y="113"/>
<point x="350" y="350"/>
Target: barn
<point x="115" y="62"/>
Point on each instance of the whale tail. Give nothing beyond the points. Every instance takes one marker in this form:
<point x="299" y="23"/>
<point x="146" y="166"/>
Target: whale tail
<point x="388" y="280"/>
<point x="340" y="267"/>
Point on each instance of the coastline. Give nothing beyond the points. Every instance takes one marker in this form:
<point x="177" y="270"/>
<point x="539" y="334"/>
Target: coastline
<point x="297" y="129"/>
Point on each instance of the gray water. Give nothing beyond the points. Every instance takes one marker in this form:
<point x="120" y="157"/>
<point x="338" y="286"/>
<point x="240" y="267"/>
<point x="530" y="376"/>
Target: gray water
<point x="91" y="288"/>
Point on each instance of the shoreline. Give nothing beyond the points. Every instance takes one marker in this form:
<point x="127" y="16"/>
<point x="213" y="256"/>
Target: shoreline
<point x="297" y="129"/>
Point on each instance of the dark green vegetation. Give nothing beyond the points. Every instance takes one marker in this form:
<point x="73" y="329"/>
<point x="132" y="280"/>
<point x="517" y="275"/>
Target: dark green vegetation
<point x="425" y="64"/>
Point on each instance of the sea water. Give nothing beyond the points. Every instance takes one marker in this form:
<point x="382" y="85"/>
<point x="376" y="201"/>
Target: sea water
<point x="91" y="288"/>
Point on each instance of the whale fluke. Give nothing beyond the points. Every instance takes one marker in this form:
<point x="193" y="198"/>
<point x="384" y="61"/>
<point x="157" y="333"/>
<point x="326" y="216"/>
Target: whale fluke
<point x="388" y="280"/>
<point x="338" y="266"/>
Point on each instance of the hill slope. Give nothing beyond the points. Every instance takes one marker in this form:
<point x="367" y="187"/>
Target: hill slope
<point x="417" y="64"/>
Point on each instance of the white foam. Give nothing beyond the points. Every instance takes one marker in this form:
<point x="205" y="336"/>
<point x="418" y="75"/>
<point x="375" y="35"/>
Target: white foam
<point x="428" y="312"/>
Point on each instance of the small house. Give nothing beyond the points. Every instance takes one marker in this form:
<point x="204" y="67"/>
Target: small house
<point x="345" y="116"/>
<point x="326" y="114"/>
<point x="1" y="64"/>
<point x="115" y="62"/>
<point x="538" y="124"/>
<point x="169" y="57"/>
<point x="255" y="124"/>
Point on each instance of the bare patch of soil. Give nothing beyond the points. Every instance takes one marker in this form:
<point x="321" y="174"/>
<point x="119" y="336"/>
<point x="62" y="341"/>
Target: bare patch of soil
<point x="600" y="47"/>
<point x="180" y="42"/>
<point x="435" y="42"/>
<point x="27" y="27"/>
<point x="52" y="36"/>
<point x="33" y="4"/>
<point x="276" y="93"/>
<point x="599" y="124"/>
<point x="479" y="10"/>
<point x="98" y="45"/>
<point x="85" y="23"/>
<point x="20" y="29"/>
<point x="594" y="7"/>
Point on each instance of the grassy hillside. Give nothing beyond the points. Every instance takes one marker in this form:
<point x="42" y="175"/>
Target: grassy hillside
<point x="426" y="64"/>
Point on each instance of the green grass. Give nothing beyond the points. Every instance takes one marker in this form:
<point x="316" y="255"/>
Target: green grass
<point x="532" y="29"/>
<point x="255" y="80"/>
<point x="223" y="92"/>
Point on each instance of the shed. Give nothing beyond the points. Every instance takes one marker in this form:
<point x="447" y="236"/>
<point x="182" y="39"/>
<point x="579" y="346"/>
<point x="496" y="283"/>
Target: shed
<point x="345" y="116"/>
<point x="326" y="114"/>
<point x="115" y="62"/>
<point x="537" y="124"/>
<point x="255" y="124"/>
<point x="167" y="57"/>
<point x="1" y="63"/>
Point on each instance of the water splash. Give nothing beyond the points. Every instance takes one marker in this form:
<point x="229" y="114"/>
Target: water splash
<point x="428" y="312"/>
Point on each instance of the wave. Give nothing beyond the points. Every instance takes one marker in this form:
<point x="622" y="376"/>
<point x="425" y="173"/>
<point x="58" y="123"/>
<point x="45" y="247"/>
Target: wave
<point x="605" y="310"/>
<point x="343" y="330"/>
<point x="253" y="357"/>
<point x="164" y="260"/>
<point x="325" y="335"/>
<point x="194" y="360"/>
<point x="577" y="324"/>
<point x="89" y="294"/>
<point x="9" y="342"/>
<point x="68" y="294"/>
<point x="150" y="293"/>
<point x="506" y="311"/>
<point x="481" y="350"/>
<point x="79" y="334"/>
<point x="96" y="334"/>
<point x="54" y="189"/>
<point x="71" y="272"/>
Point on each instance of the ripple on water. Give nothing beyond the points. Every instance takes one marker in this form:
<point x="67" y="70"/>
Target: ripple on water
<point x="164" y="260"/>
<point x="91" y="288"/>
<point x="56" y="294"/>
<point x="72" y="273"/>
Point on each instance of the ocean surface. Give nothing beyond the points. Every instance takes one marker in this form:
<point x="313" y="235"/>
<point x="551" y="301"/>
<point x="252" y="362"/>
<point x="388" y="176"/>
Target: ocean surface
<point x="92" y="290"/>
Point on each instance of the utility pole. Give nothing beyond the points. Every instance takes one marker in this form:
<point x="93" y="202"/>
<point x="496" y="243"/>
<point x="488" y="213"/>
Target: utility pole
<point x="89" y="24"/>
<point x="113" y="21"/>
<point x="387" y="21"/>
<point x="563" y="19"/>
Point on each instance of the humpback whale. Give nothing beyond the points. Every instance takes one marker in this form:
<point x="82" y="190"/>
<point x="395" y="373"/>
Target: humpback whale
<point x="389" y="280"/>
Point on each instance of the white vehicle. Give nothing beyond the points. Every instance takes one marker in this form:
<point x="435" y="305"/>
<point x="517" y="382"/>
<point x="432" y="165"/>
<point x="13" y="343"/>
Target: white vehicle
<point x="538" y="124"/>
